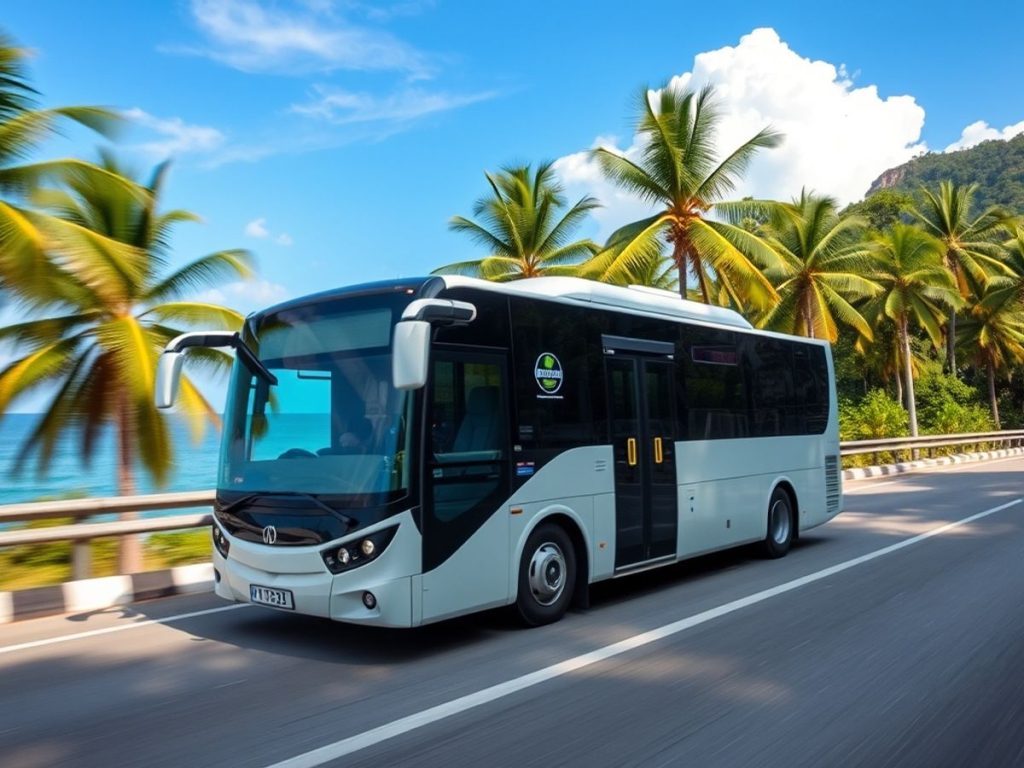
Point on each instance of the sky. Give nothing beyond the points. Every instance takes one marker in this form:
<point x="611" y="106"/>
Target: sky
<point x="336" y="138"/>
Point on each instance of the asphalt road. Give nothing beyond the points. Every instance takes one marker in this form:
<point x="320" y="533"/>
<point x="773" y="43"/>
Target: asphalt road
<point x="909" y="657"/>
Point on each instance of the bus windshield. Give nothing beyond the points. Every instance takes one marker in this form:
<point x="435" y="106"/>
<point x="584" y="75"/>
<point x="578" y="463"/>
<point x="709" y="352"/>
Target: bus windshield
<point x="333" y="425"/>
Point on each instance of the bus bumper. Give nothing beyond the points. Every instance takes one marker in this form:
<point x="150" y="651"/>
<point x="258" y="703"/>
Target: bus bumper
<point x="378" y="593"/>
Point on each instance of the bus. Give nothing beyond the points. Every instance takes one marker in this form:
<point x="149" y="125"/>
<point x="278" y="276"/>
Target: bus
<point x="403" y="452"/>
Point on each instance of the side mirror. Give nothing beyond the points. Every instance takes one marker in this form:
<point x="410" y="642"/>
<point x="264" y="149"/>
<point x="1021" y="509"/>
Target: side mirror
<point x="410" y="354"/>
<point x="168" y="367"/>
<point x="168" y="375"/>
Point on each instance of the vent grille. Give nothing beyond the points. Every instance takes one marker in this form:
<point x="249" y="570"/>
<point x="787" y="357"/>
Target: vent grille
<point x="832" y="483"/>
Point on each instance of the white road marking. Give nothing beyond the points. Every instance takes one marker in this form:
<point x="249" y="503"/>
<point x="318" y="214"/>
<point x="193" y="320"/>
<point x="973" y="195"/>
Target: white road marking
<point x="457" y="706"/>
<point x="870" y="483"/>
<point x="119" y="628"/>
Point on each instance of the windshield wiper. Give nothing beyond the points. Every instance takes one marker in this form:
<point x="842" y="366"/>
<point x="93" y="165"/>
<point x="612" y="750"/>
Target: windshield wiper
<point x="227" y="509"/>
<point x="230" y="507"/>
<point x="351" y="522"/>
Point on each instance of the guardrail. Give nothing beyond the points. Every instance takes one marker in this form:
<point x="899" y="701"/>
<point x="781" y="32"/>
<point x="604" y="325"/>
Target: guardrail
<point x="81" y="532"/>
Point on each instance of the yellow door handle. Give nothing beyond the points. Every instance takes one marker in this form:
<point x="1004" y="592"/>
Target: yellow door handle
<point x="659" y="455"/>
<point x="631" y="451"/>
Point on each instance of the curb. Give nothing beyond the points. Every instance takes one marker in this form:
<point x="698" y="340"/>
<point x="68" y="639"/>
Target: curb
<point x="884" y="470"/>
<point x="98" y="594"/>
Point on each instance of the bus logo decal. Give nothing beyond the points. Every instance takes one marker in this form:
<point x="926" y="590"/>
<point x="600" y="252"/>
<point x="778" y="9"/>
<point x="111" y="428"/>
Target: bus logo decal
<point x="548" y="373"/>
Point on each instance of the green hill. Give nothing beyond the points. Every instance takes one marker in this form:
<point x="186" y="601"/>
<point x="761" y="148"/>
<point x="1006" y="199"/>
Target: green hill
<point x="997" y="167"/>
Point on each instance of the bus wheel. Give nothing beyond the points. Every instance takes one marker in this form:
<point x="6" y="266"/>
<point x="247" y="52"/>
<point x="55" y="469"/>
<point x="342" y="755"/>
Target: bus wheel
<point x="547" y="576"/>
<point x="780" y="525"/>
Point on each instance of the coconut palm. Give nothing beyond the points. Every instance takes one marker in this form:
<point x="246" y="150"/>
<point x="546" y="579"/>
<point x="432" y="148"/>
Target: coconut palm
<point x="679" y="172"/>
<point x="969" y="251"/>
<point x="994" y="331"/>
<point x="915" y="288"/>
<point x="655" y="274"/>
<point x="96" y="346"/>
<point x="821" y="270"/>
<point x="1009" y="286"/>
<point x="26" y="235"/>
<point x="524" y="227"/>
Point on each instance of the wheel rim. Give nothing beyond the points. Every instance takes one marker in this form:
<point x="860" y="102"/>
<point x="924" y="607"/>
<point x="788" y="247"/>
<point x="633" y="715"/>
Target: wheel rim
<point x="547" y="573"/>
<point x="780" y="522"/>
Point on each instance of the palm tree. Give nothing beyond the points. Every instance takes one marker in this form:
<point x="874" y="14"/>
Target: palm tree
<point x="907" y="264"/>
<point x="524" y="227"/>
<point x="823" y="260"/>
<point x="26" y="235"/>
<point x="969" y="250"/>
<point x="96" y="345"/>
<point x="679" y="172"/>
<point x="1009" y="286"/>
<point x="994" y="331"/>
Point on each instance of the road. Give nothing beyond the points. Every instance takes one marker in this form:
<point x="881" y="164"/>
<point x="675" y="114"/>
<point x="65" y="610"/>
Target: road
<point x="869" y="645"/>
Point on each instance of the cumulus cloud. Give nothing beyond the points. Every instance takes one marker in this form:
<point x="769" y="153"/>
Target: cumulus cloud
<point x="246" y="295"/>
<point x="255" y="36"/>
<point x="838" y="137"/>
<point x="980" y="131"/>
<point x="257" y="228"/>
<point x="176" y="136"/>
<point x="342" y="107"/>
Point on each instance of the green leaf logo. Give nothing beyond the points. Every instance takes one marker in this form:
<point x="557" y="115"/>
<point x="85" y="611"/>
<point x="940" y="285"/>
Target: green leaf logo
<point x="548" y="373"/>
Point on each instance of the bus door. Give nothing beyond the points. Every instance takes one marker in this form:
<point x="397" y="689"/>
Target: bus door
<point x="640" y="377"/>
<point x="466" y="482"/>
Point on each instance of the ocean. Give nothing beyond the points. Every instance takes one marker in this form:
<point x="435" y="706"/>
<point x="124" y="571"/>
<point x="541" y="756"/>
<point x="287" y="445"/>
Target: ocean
<point x="194" y="469"/>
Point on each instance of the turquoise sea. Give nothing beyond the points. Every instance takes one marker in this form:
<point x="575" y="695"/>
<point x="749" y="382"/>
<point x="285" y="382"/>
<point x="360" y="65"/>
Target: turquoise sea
<point x="195" y="465"/>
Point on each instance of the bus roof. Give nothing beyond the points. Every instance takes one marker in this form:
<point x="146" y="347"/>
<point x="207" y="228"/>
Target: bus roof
<point x="635" y="297"/>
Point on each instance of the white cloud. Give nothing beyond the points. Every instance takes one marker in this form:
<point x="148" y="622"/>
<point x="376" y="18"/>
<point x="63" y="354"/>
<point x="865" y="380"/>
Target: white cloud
<point x="256" y="36"/>
<point x="838" y="137"/>
<point x="341" y="107"/>
<point x="980" y="131"/>
<point x="258" y="228"/>
<point x="178" y="137"/>
<point x="246" y="295"/>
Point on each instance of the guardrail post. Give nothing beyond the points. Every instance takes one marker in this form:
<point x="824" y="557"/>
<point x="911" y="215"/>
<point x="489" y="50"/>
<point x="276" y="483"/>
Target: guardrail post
<point x="81" y="559"/>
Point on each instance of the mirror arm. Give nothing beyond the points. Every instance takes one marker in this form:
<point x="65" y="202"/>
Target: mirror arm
<point x="223" y="339"/>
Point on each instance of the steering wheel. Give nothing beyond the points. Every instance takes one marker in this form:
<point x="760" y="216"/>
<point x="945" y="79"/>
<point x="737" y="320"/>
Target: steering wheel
<point x="297" y="453"/>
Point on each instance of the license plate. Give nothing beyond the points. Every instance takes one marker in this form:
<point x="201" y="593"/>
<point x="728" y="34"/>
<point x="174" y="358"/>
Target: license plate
<point x="278" y="598"/>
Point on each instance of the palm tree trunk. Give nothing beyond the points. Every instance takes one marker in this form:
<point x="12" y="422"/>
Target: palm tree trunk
<point x="993" y="401"/>
<point x="899" y="391"/>
<point x="908" y="375"/>
<point x="130" y="552"/>
<point x="951" y="343"/>
<point x="808" y="315"/>
<point x="679" y="257"/>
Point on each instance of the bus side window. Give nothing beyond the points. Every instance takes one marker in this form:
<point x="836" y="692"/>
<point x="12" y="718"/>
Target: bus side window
<point x="467" y="418"/>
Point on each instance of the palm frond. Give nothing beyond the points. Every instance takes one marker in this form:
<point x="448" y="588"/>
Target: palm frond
<point x="204" y="272"/>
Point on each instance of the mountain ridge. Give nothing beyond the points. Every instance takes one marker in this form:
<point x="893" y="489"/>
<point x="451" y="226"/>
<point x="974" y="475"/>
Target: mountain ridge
<point x="997" y="166"/>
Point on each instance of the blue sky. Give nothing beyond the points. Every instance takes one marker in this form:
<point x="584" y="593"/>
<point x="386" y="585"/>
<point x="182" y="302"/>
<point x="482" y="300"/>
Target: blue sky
<point x="335" y="139"/>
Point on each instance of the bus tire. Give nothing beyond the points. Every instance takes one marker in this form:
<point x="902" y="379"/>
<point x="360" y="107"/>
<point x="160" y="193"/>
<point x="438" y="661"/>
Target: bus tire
<point x="781" y="525"/>
<point x="547" y="576"/>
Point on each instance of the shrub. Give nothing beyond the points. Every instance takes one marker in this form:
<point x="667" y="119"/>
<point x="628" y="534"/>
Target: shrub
<point x="876" y="416"/>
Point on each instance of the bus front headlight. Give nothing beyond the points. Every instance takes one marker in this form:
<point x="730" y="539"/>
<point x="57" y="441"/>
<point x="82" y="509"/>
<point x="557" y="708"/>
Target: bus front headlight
<point x="358" y="551"/>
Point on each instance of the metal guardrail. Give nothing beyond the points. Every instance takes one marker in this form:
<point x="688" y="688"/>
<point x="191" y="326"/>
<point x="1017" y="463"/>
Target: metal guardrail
<point x="1013" y="438"/>
<point x="82" y="532"/>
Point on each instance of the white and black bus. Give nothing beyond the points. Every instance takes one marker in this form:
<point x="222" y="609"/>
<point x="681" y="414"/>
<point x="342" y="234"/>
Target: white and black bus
<point x="402" y="452"/>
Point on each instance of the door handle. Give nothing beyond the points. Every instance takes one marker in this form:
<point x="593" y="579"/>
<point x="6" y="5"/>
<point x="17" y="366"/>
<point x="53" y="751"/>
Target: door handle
<point x="659" y="454"/>
<point x="631" y="451"/>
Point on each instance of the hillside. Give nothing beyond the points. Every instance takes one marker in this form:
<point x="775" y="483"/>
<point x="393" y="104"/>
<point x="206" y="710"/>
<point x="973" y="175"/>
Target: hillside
<point x="997" y="167"/>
